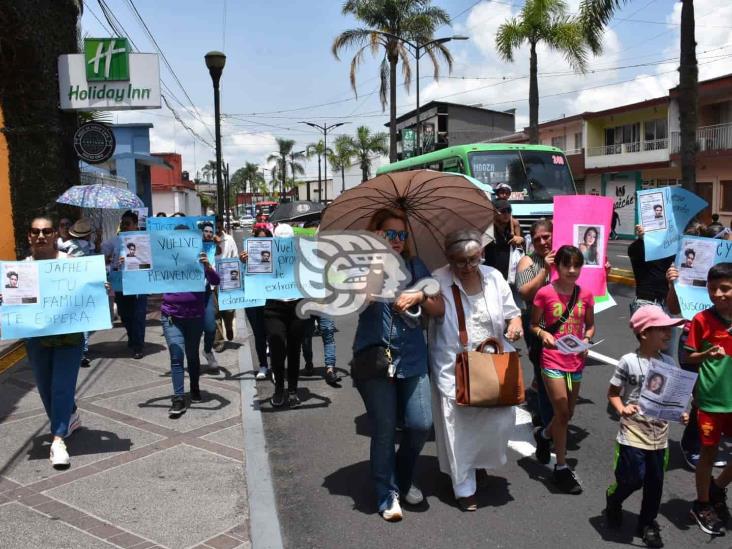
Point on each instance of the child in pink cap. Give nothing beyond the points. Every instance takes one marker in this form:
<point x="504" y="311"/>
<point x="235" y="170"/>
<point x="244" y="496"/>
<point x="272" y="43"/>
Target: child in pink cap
<point x="641" y="448"/>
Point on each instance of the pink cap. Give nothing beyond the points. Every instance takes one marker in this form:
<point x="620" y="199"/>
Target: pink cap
<point x="652" y="316"/>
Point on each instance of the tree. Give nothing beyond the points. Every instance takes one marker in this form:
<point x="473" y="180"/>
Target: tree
<point x="365" y="145"/>
<point x="388" y="22"/>
<point x="209" y="171"/>
<point x="317" y="149"/>
<point x="280" y="158"/>
<point x="41" y="162"/>
<point x="595" y="14"/>
<point x="341" y="157"/>
<point x="542" y="21"/>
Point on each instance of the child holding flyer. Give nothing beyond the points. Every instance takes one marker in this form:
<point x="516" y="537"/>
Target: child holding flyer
<point x="710" y="345"/>
<point x="641" y="448"/>
<point x="562" y="308"/>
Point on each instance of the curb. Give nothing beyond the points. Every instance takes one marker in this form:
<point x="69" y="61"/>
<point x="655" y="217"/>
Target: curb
<point x="621" y="276"/>
<point x="264" y="523"/>
<point x="11" y="355"/>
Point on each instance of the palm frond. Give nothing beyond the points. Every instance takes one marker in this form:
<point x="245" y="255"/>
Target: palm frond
<point x="509" y="37"/>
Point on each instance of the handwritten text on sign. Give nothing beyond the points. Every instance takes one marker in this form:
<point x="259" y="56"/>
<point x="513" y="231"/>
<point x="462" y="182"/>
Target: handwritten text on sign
<point x="281" y="283"/>
<point x="71" y="299"/>
<point x="696" y="256"/>
<point x="175" y="265"/>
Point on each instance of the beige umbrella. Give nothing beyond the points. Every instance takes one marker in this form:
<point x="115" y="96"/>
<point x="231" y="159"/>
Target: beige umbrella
<point x="436" y="203"/>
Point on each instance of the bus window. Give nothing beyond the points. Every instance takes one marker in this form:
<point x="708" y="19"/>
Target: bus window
<point x="493" y="167"/>
<point x="452" y="165"/>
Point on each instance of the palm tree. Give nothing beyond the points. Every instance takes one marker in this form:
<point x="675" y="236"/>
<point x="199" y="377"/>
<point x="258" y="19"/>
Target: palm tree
<point x="388" y="22"/>
<point x="209" y="171"/>
<point x="341" y="157"/>
<point x="317" y="149"/>
<point x="248" y="175"/>
<point x="365" y="145"/>
<point x="595" y="14"/>
<point x="542" y="21"/>
<point x="284" y="149"/>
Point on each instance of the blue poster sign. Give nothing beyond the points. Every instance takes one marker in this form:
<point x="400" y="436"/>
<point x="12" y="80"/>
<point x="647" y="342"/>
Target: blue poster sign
<point x="231" y="290"/>
<point x="279" y="282"/>
<point x="664" y="214"/>
<point x="53" y="297"/>
<point x="193" y="222"/>
<point x="694" y="259"/>
<point x="157" y="262"/>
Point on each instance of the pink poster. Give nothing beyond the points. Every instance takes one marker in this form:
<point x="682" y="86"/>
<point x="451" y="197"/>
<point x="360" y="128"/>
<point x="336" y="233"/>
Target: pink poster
<point x="584" y="221"/>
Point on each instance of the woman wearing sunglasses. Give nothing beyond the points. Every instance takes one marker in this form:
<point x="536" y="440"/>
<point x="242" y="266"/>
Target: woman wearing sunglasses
<point x="404" y="398"/>
<point x="55" y="360"/>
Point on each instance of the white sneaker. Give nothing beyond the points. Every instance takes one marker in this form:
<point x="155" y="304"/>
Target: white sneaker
<point x="393" y="513"/>
<point x="74" y="424"/>
<point x="211" y="359"/>
<point x="414" y="496"/>
<point x="59" y="455"/>
<point x="262" y="373"/>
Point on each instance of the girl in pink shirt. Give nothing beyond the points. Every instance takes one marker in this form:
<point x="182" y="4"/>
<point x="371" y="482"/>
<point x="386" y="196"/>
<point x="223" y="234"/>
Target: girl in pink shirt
<point x="562" y="373"/>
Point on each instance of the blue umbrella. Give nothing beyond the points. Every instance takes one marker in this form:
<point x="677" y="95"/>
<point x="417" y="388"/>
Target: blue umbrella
<point x="100" y="196"/>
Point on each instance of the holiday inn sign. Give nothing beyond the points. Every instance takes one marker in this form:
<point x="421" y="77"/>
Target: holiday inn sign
<point x="108" y="77"/>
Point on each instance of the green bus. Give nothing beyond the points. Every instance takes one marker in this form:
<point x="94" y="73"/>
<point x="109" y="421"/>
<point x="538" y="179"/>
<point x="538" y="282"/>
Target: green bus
<point x="536" y="173"/>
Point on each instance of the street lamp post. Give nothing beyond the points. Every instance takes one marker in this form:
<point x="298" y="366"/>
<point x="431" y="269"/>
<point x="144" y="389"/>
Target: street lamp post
<point x="325" y="128"/>
<point x="294" y="155"/>
<point x="215" y="61"/>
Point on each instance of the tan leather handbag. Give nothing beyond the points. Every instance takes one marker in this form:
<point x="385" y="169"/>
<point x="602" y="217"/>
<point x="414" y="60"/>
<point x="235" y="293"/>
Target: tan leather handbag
<point x="483" y="379"/>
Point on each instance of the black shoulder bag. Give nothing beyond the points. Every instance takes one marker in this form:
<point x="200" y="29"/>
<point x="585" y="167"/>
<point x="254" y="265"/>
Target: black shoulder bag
<point x="535" y="350"/>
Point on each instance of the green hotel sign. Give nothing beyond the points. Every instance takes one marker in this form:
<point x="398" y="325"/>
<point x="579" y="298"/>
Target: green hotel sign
<point x="107" y="59"/>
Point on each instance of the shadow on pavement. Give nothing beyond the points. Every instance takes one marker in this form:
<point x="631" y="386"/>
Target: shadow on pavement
<point x="308" y="400"/>
<point x="86" y="442"/>
<point x="676" y="512"/>
<point x="542" y="473"/>
<point x="623" y="535"/>
<point x="118" y="349"/>
<point x="164" y="402"/>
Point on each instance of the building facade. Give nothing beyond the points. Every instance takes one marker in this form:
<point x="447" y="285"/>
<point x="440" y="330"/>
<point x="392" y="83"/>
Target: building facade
<point x="172" y="189"/>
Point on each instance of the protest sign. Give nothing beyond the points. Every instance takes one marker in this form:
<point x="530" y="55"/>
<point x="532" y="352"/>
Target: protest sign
<point x="664" y="213"/>
<point x="231" y="291"/>
<point x="114" y="277"/>
<point x="193" y="222"/>
<point x="280" y="283"/>
<point x="666" y="391"/>
<point x="174" y="265"/>
<point x="209" y="248"/>
<point x="259" y="253"/>
<point x="141" y="217"/>
<point x="69" y="297"/>
<point x="695" y="257"/>
<point x="584" y="221"/>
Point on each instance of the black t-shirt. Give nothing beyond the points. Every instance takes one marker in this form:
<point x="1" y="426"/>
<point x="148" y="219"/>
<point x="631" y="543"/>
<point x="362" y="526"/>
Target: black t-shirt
<point x="650" y="276"/>
<point x="497" y="254"/>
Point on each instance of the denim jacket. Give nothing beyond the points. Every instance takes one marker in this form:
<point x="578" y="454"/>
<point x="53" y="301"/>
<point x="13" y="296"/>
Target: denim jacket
<point x="408" y="345"/>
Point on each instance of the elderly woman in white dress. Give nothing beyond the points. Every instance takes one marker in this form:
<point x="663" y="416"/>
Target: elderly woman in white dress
<point x="469" y="439"/>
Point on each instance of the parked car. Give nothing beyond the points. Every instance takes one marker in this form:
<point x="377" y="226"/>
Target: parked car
<point x="246" y="221"/>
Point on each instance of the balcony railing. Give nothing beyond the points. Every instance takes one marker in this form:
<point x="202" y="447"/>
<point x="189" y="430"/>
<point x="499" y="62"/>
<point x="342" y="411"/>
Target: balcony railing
<point x="629" y="148"/>
<point x="708" y="138"/>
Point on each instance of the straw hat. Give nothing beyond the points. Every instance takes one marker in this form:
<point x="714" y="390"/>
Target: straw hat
<point x="81" y="229"/>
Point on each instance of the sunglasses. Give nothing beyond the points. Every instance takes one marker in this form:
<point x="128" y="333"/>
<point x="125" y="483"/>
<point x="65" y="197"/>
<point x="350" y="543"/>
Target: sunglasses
<point x="47" y="231"/>
<point x="391" y="234"/>
<point x="473" y="262"/>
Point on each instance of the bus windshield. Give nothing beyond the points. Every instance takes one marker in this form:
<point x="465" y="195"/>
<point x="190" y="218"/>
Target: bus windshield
<point x="537" y="175"/>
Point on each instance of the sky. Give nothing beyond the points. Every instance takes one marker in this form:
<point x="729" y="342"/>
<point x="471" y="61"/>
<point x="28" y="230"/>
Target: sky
<point x="280" y="70"/>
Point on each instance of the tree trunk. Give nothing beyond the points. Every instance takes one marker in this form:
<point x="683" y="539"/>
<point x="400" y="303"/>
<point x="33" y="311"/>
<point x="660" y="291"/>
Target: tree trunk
<point x="393" y="59"/>
<point x="364" y="172"/>
<point x="533" y="98"/>
<point x="688" y="96"/>
<point x="343" y="179"/>
<point x="33" y="33"/>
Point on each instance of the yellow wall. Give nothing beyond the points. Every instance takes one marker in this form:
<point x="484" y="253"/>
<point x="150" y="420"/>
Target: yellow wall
<point x="7" y="234"/>
<point x="596" y="126"/>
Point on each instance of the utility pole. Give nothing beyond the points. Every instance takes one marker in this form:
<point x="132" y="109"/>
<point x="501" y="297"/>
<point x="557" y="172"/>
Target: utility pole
<point x="325" y="128"/>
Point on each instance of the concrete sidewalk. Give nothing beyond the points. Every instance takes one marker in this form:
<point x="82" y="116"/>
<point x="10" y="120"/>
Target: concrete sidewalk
<point x="137" y="478"/>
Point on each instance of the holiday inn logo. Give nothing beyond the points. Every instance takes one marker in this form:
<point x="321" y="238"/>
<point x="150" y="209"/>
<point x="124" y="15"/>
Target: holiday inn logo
<point x="107" y="59"/>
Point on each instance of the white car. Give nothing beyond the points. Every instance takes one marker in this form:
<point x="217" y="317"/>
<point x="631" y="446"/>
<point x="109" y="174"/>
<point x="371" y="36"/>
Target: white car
<point x="246" y="221"/>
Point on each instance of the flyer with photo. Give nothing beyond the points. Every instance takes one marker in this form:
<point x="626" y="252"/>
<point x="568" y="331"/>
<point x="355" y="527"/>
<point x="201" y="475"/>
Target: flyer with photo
<point x="591" y="242"/>
<point x="652" y="211"/>
<point x="230" y="273"/>
<point x="259" y="260"/>
<point x="666" y="391"/>
<point x="136" y="252"/>
<point x="697" y="257"/>
<point x="141" y="217"/>
<point x="20" y="281"/>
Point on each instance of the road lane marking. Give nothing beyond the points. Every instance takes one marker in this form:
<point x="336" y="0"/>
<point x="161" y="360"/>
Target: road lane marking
<point x="603" y="358"/>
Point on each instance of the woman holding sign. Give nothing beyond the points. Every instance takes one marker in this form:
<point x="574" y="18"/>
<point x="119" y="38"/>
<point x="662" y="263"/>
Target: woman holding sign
<point x="182" y="317"/>
<point x="55" y="360"/>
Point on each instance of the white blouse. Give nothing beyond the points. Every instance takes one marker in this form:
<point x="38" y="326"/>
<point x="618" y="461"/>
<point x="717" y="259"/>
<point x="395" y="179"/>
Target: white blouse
<point x="485" y="315"/>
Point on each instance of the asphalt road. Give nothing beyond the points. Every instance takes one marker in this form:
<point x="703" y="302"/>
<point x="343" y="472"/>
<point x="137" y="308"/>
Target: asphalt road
<point x="319" y="459"/>
<point x="617" y="253"/>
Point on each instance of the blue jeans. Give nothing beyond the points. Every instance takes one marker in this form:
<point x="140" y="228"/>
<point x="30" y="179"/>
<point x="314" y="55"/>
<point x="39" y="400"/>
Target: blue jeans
<point x="406" y="399"/>
<point x="183" y="336"/>
<point x="255" y="316"/>
<point x="132" y="310"/>
<point x="209" y="322"/>
<point x="327" y="331"/>
<point x="56" y="370"/>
